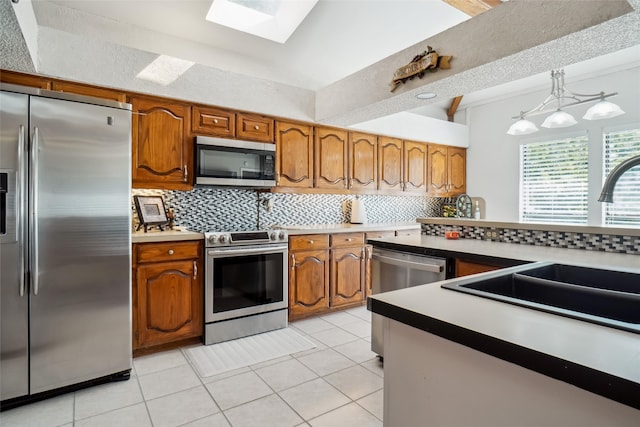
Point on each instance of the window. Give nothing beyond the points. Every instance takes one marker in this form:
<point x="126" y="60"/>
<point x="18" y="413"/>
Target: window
<point x="619" y="146"/>
<point x="554" y="181"/>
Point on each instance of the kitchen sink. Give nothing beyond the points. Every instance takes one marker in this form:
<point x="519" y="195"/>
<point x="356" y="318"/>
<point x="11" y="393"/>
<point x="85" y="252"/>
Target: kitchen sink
<point x="606" y="297"/>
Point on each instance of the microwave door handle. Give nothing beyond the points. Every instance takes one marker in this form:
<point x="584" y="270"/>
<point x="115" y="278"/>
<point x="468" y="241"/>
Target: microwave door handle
<point x="435" y="268"/>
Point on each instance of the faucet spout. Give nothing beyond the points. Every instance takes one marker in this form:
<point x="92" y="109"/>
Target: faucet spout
<point x="607" y="190"/>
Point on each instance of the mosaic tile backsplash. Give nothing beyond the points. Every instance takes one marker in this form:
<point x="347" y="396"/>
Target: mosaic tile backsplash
<point x="220" y="209"/>
<point x="555" y="239"/>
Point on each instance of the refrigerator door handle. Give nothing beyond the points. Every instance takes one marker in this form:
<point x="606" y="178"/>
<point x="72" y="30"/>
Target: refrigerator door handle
<point x="22" y="168"/>
<point x="33" y="206"/>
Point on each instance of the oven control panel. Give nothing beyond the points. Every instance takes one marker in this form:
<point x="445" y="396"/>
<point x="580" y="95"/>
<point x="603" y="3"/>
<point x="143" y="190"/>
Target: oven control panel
<point x="235" y="238"/>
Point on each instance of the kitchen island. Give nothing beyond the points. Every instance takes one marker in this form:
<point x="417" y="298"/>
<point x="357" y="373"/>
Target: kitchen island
<point x="458" y="359"/>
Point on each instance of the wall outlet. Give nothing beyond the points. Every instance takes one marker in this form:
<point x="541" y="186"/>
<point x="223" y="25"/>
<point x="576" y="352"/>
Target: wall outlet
<point x="491" y="233"/>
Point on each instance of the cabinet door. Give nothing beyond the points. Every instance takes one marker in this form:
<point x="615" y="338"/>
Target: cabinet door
<point x="457" y="165"/>
<point x="330" y="158"/>
<point x="389" y="163"/>
<point x="162" y="150"/>
<point x="294" y="155"/>
<point x="438" y="170"/>
<point x="254" y="127"/>
<point x="87" y="90"/>
<point x="169" y="300"/>
<point x="213" y="121"/>
<point x="363" y="161"/>
<point x="415" y="166"/>
<point x="347" y="275"/>
<point x="308" y="282"/>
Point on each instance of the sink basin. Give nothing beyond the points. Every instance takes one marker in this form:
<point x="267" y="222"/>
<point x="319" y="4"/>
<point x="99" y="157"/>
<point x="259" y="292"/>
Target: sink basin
<point x="606" y="297"/>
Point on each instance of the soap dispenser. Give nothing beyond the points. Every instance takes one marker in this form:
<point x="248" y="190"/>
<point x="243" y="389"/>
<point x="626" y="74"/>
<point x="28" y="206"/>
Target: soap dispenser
<point x="476" y="214"/>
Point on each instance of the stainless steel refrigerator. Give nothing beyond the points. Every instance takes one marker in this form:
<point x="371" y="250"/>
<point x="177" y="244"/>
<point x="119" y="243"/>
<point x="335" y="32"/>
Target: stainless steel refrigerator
<point x="65" y="246"/>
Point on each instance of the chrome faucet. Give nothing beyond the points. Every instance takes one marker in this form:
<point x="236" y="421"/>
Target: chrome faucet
<point x="609" y="184"/>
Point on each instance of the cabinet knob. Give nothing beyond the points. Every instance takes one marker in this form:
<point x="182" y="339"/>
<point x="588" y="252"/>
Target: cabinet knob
<point x="215" y="121"/>
<point x="311" y="242"/>
<point x="170" y="251"/>
<point x="256" y="127"/>
<point x="349" y="239"/>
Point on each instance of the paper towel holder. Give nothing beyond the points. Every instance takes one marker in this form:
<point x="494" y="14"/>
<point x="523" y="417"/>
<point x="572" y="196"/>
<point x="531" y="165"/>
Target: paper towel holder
<point x="358" y="211"/>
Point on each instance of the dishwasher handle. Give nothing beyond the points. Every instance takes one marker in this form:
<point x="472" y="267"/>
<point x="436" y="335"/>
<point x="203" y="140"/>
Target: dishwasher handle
<point x="435" y="268"/>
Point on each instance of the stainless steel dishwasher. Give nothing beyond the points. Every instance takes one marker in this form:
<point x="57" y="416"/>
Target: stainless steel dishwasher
<point x="391" y="270"/>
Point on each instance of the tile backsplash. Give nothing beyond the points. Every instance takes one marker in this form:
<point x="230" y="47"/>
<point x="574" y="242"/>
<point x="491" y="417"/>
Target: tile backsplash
<point x="220" y="209"/>
<point x="553" y="239"/>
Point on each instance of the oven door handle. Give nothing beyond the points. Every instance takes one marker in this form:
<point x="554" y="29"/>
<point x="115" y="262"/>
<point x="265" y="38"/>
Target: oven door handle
<point x="237" y="251"/>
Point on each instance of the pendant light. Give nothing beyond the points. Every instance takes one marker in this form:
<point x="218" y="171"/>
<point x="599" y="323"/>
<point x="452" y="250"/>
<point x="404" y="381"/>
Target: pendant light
<point x="564" y="98"/>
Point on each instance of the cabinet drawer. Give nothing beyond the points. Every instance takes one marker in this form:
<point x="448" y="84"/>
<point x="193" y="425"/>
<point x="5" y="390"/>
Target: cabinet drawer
<point x="169" y="251"/>
<point x="255" y="127"/>
<point x="379" y="234"/>
<point x="213" y="121"/>
<point x="308" y="241"/>
<point x="415" y="232"/>
<point x="347" y="239"/>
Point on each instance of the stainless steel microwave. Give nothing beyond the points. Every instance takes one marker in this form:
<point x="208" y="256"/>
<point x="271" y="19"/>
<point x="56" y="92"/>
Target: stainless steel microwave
<point x="233" y="163"/>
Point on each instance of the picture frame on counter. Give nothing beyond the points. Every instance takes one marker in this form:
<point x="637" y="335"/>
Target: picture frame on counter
<point x="151" y="212"/>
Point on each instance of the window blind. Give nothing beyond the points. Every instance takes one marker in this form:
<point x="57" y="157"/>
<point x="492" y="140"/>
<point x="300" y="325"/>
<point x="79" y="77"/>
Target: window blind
<point x="554" y="181"/>
<point x="619" y="146"/>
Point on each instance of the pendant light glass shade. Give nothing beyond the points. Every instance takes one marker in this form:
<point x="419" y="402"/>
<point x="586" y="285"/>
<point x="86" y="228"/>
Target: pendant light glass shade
<point x="559" y="119"/>
<point x="522" y="127"/>
<point x="561" y="98"/>
<point x="603" y="110"/>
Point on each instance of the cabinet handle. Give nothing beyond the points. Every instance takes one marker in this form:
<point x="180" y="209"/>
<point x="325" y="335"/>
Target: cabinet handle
<point x="195" y="270"/>
<point x="215" y="121"/>
<point x="256" y="127"/>
<point x="186" y="172"/>
<point x="293" y="262"/>
<point x="170" y="251"/>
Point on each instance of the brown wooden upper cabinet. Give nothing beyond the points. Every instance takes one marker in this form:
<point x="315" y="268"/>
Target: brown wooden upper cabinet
<point x="330" y="158"/>
<point x="389" y="163"/>
<point x="447" y="170"/>
<point x="87" y="90"/>
<point x="162" y="149"/>
<point x="21" y="79"/>
<point x="254" y="127"/>
<point x="213" y="121"/>
<point x="294" y="155"/>
<point x="363" y="161"/>
<point x="415" y="166"/>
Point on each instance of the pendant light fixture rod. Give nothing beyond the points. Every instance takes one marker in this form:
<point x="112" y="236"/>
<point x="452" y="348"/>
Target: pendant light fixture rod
<point x="560" y="93"/>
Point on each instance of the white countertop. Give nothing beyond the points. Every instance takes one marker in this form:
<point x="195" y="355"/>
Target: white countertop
<point x="520" y="251"/>
<point x="348" y="228"/>
<point x="156" y="235"/>
<point x="599" y="347"/>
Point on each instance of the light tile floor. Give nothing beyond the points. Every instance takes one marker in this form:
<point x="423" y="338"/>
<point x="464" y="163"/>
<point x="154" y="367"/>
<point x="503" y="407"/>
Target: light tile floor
<point x="338" y="383"/>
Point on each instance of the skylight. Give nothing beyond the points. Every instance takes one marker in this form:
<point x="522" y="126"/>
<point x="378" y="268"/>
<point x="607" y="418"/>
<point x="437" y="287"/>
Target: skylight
<point x="274" y="20"/>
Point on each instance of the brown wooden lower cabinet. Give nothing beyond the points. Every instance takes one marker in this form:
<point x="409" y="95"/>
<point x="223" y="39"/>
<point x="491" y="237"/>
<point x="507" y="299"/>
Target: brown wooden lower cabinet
<point x="167" y="293"/>
<point x="466" y="268"/>
<point x="308" y="282"/>
<point x="347" y="275"/>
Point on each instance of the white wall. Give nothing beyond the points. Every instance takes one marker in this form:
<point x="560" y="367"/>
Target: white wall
<point x="493" y="156"/>
<point x="413" y="126"/>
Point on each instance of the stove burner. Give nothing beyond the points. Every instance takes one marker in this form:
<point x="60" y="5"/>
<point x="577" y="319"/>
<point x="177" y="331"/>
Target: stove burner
<point x="237" y="238"/>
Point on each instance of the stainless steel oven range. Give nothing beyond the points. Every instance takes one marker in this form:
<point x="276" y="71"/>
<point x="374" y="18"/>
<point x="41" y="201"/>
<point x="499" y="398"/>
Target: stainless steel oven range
<point x="246" y="284"/>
